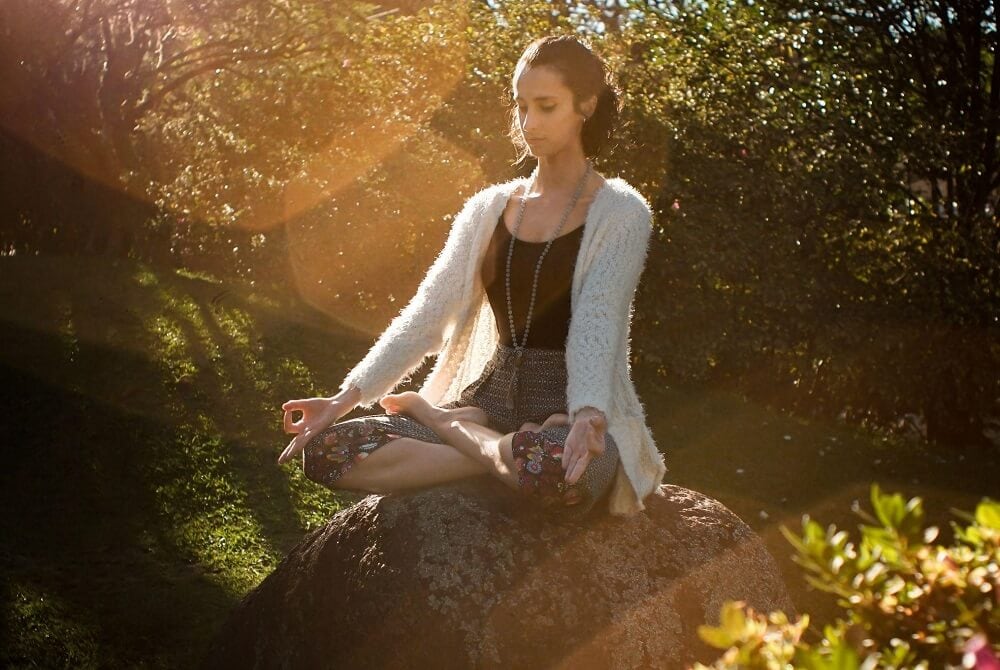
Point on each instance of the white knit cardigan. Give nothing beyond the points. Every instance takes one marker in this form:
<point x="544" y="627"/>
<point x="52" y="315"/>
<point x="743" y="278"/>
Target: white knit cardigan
<point x="450" y="317"/>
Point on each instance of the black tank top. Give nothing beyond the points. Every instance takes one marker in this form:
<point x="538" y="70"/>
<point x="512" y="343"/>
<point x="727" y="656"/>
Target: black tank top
<point x="553" y="307"/>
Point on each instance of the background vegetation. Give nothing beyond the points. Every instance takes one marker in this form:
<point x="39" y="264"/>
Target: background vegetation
<point x="825" y="174"/>
<point x="908" y="602"/>
<point x="208" y="208"/>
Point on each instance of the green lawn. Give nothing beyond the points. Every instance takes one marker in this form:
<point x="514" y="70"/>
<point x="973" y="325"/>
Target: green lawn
<point x="140" y="495"/>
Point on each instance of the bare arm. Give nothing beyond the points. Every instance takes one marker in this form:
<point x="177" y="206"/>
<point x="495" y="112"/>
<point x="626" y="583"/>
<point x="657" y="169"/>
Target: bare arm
<point x="424" y="324"/>
<point x="418" y="330"/>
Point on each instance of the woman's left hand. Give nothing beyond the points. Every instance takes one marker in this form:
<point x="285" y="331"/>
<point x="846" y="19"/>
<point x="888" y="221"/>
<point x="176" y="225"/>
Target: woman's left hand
<point x="584" y="442"/>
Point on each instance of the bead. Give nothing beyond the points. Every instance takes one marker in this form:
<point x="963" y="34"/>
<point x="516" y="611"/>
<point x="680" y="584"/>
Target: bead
<point x="538" y="265"/>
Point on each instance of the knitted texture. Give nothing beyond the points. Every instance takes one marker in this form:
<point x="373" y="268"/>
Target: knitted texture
<point x="450" y="316"/>
<point x="424" y="323"/>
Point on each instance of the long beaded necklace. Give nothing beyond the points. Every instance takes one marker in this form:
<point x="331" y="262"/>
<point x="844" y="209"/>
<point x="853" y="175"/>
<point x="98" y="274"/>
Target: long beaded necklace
<point x="519" y="348"/>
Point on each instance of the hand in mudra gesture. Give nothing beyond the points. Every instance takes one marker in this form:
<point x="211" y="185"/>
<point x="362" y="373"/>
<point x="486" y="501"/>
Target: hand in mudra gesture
<point x="584" y="442"/>
<point x="318" y="414"/>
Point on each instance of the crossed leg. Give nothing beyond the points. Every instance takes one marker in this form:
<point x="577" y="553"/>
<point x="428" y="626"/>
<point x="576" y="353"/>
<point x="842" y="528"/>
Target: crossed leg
<point x="466" y="429"/>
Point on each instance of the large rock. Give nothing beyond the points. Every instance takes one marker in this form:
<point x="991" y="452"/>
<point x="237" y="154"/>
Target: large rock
<point x="464" y="576"/>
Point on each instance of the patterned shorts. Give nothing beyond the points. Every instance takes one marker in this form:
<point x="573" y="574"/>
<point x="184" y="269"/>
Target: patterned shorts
<point x="540" y="391"/>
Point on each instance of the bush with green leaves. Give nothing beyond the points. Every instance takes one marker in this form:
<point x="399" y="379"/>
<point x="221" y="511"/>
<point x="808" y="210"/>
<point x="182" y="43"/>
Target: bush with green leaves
<point x="907" y="602"/>
<point x="824" y="174"/>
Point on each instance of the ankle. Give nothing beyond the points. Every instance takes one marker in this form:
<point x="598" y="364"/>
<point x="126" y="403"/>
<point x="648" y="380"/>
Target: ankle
<point x="435" y="416"/>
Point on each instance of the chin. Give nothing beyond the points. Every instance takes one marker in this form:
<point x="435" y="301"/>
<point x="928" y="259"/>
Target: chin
<point x="535" y="153"/>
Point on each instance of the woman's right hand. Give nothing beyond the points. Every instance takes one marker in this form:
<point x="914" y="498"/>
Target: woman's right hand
<point x="318" y="414"/>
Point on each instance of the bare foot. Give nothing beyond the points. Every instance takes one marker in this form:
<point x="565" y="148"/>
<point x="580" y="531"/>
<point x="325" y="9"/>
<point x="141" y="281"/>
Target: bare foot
<point x="557" y="419"/>
<point x="413" y="405"/>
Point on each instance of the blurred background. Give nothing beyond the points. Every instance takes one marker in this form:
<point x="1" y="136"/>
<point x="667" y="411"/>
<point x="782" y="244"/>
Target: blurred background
<point x="210" y="207"/>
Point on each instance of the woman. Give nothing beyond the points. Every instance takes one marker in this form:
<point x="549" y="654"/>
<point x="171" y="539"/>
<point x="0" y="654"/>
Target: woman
<point x="558" y="256"/>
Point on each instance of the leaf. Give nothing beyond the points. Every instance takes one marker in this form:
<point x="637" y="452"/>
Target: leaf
<point x="843" y="658"/>
<point x="716" y="637"/>
<point x="889" y="508"/>
<point x="731" y="628"/>
<point x="988" y="514"/>
<point x="733" y="618"/>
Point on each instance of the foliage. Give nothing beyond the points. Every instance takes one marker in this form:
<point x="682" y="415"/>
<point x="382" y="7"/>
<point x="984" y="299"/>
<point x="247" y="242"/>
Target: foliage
<point x="807" y="246"/>
<point x="907" y="603"/>
<point x="824" y="172"/>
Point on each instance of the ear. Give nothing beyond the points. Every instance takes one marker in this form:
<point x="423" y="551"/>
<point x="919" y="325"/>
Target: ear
<point x="588" y="106"/>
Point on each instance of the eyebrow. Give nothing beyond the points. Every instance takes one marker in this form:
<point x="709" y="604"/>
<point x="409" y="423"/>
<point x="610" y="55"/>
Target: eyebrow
<point x="540" y="97"/>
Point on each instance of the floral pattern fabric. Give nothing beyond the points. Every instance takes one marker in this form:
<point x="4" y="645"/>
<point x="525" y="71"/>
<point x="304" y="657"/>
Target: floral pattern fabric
<point x="540" y="474"/>
<point x="337" y="449"/>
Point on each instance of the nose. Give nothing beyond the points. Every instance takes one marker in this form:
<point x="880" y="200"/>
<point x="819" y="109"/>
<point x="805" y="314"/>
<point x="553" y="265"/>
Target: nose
<point x="528" y="124"/>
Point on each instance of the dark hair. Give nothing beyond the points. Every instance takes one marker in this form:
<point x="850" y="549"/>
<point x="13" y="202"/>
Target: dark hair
<point x="585" y="74"/>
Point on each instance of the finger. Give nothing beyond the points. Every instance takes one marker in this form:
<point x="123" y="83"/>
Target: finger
<point x="567" y="454"/>
<point x="572" y="476"/>
<point x="597" y="438"/>
<point x="600" y="426"/>
<point x="570" y="454"/>
<point x="290" y="451"/>
<point x="283" y="458"/>
<point x="292" y="404"/>
<point x="596" y="444"/>
<point x="289" y="424"/>
<point x="294" y="447"/>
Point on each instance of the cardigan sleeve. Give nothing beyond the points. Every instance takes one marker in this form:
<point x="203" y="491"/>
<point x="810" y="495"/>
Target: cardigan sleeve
<point x="425" y="323"/>
<point x="601" y="318"/>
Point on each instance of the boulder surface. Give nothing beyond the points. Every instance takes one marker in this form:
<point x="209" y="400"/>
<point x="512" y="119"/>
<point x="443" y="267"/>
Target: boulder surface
<point x="465" y="575"/>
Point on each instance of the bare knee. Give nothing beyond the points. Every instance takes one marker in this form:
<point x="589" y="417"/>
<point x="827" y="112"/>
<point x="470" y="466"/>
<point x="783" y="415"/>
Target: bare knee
<point x="506" y="451"/>
<point x="505" y="446"/>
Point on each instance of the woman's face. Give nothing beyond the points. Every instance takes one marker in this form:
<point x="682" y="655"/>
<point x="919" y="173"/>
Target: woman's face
<point x="549" y="123"/>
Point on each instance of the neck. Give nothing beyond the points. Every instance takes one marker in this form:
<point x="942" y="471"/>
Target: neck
<point x="559" y="173"/>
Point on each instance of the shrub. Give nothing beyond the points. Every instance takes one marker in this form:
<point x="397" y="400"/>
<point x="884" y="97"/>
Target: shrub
<point x="907" y="603"/>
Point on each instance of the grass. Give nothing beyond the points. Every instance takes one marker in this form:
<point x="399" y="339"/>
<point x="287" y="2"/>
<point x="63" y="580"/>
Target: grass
<point x="140" y="495"/>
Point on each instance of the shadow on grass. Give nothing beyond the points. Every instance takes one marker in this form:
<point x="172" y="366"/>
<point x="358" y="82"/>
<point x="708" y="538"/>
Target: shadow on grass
<point x="82" y="527"/>
<point x="141" y="495"/>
